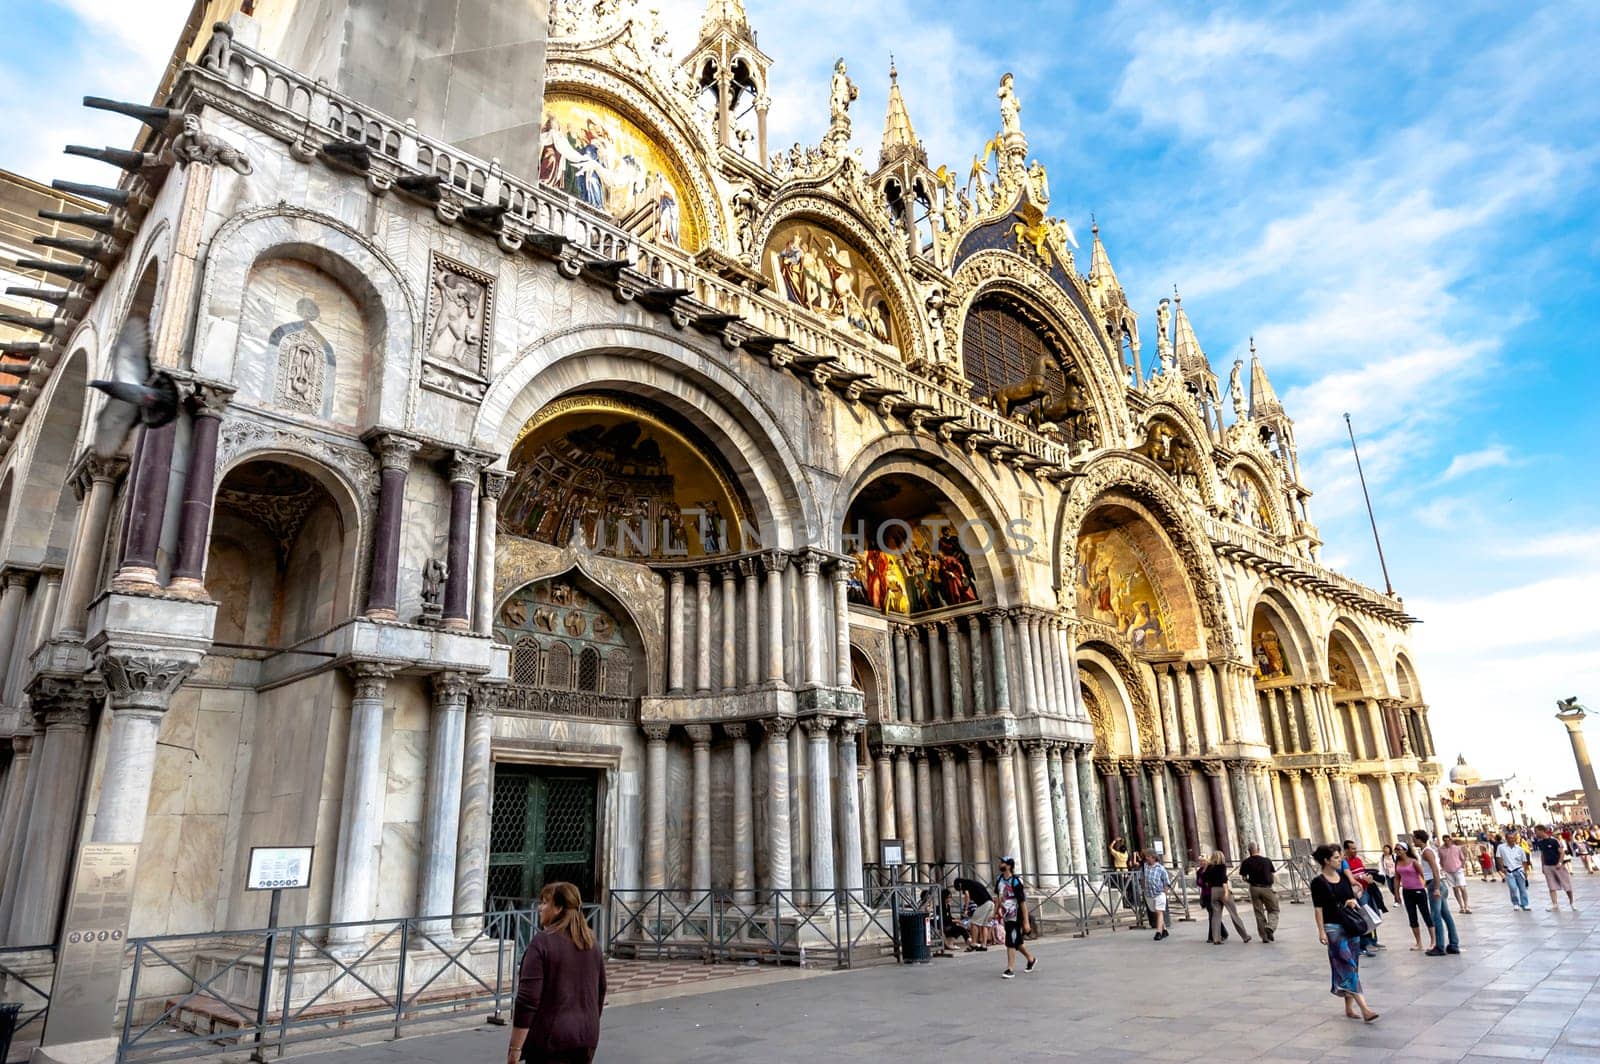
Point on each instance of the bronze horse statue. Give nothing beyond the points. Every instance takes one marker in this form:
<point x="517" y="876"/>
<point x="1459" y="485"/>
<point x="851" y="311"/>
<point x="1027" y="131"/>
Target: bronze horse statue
<point x="1029" y="388"/>
<point x="1051" y="410"/>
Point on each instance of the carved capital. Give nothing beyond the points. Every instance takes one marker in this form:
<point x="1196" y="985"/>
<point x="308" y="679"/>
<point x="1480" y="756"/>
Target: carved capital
<point x="22" y="744"/>
<point x="210" y="398"/>
<point x="1004" y="747"/>
<point x="774" y="562"/>
<point x="736" y="730"/>
<point x="675" y="578"/>
<point x="487" y="697"/>
<point x="817" y="728"/>
<point x="450" y="690"/>
<point x="1212" y="768"/>
<point x="17" y="578"/>
<point x="810" y="563"/>
<point x="656" y="730"/>
<point x="778" y="727"/>
<point x="371" y="678"/>
<point x="144" y="679"/>
<point x="1182" y="768"/>
<point x="395" y="451"/>
<point x="65" y="702"/>
<point x="842" y="568"/>
<point x="974" y="752"/>
<point x="850" y="727"/>
<point x="495" y="482"/>
<point x="699" y="734"/>
<point x="467" y="466"/>
<point x="946" y="755"/>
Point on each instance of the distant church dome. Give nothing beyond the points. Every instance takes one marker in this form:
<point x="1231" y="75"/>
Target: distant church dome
<point x="1464" y="774"/>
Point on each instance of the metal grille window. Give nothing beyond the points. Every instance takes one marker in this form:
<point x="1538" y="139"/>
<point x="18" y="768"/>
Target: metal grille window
<point x="589" y="669"/>
<point x="558" y="665"/>
<point x="619" y="673"/>
<point x="999" y="345"/>
<point x="525" y="661"/>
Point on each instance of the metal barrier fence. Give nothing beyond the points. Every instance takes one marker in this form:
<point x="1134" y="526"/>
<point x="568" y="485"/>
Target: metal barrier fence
<point x="192" y="996"/>
<point x="20" y="985"/>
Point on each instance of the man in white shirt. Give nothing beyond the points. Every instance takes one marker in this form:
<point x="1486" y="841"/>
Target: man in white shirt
<point x="1513" y="863"/>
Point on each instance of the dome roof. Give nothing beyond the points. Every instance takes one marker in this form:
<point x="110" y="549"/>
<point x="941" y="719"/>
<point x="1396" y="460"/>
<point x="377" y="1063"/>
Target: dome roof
<point x="1464" y="773"/>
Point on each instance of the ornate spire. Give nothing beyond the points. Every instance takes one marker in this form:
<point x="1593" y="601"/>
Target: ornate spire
<point x="1263" y="400"/>
<point x="899" y="140"/>
<point x="1191" y="357"/>
<point x="1100" y="263"/>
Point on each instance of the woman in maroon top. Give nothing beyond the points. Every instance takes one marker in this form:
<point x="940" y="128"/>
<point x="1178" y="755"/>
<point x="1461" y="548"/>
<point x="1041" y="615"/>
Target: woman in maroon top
<point x="561" y="987"/>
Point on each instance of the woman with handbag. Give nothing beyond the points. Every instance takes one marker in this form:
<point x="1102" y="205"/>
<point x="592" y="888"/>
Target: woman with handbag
<point x="1215" y="877"/>
<point x="1340" y="925"/>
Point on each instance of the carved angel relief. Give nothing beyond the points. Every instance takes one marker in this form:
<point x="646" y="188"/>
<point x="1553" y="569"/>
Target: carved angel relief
<point x="458" y="330"/>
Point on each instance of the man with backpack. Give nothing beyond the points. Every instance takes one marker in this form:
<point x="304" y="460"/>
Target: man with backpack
<point x="1013" y="902"/>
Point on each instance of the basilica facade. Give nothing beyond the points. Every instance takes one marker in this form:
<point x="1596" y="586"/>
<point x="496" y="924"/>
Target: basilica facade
<point x="595" y="490"/>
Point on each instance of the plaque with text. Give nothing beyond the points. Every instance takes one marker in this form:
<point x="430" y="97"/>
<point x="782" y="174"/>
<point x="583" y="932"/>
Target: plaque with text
<point x="279" y="868"/>
<point x="89" y="959"/>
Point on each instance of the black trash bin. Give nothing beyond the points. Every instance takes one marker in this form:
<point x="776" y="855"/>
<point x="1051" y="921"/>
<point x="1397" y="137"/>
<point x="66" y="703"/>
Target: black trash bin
<point x="9" y="1011"/>
<point x="914" y="938"/>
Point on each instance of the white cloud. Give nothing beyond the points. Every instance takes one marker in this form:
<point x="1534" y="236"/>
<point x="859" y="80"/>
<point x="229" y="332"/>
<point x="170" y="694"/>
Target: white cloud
<point x="1495" y="456"/>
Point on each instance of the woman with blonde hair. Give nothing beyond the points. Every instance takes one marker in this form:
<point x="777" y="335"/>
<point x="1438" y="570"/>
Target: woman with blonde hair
<point x="1215" y="877"/>
<point x="561" y="987"/>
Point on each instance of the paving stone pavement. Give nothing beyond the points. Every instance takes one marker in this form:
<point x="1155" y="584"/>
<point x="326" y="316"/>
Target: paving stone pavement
<point x="1527" y="987"/>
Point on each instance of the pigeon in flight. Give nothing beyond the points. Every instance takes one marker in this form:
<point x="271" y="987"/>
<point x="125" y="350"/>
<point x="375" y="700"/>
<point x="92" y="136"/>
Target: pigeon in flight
<point x="135" y="392"/>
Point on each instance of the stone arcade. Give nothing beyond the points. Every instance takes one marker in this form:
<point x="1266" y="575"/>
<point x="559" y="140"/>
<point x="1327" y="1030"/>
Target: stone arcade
<point x="648" y="506"/>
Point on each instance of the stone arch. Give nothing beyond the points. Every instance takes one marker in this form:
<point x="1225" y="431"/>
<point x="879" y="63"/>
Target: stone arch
<point x="1193" y="432"/>
<point x="1347" y="635"/>
<point x="1406" y="682"/>
<point x="301" y="514"/>
<point x="626" y="359"/>
<point x="342" y="490"/>
<point x="1281" y="520"/>
<point x="1125" y="477"/>
<point x="634" y="591"/>
<point x="966" y="491"/>
<point x="46" y="505"/>
<point x="995" y="271"/>
<point x="867" y="673"/>
<point x="1118" y="703"/>
<point x="654" y="112"/>
<point x="885" y="256"/>
<point x="1273" y="607"/>
<point x="516" y="613"/>
<point x="378" y="286"/>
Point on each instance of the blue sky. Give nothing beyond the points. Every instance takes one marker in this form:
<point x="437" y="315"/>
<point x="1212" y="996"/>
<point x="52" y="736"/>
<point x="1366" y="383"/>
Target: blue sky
<point x="1399" y="204"/>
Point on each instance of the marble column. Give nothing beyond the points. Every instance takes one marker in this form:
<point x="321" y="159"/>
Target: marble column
<point x="744" y="821"/>
<point x="194" y="514"/>
<point x="978" y="808"/>
<point x="1219" y="806"/>
<point x="63" y="710"/>
<point x="938" y="699"/>
<point x="477" y="788"/>
<point x="492" y="487"/>
<point x="749" y="574"/>
<point x="19" y="815"/>
<point x="774" y="564"/>
<point x="1271" y="826"/>
<point x="905" y="803"/>
<point x="868" y="790"/>
<point x="655" y="804"/>
<point x="96" y="484"/>
<point x="918" y="676"/>
<point x="1412" y="807"/>
<point x="1344" y="806"/>
<point x="842" y="568"/>
<point x="811" y="600"/>
<point x="355" y="870"/>
<point x="1193" y="738"/>
<point x="730" y="628"/>
<point x="821" y="805"/>
<point x="394" y="456"/>
<point x="1025" y="673"/>
<point x="1044" y="820"/>
<point x="1291" y="719"/>
<point x="888" y="822"/>
<point x="1136" y="804"/>
<point x="465" y="468"/>
<point x="702" y="631"/>
<point x="1279" y="810"/>
<point x="902" y="674"/>
<point x="799" y="810"/>
<point x="1011" y="834"/>
<point x="980" y="678"/>
<point x="1167" y="701"/>
<point x="950" y="851"/>
<point x="1094" y="821"/>
<point x="1330" y="827"/>
<point x="953" y="655"/>
<point x="1191" y="825"/>
<point x="850" y="850"/>
<point x="1571" y="717"/>
<point x="997" y="661"/>
<point x="1058" y="809"/>
<point x="1158" y="798"/>
<point x="147" y="507"/>
<point x="925" y="834"/>
<point x="1028" y="858"/>
<point x="1302" y="815"/>
<point x="779" y="872"/>
<point x="21" y="744"/>
<point x="1077" y="827"/>
<point x="1211" y="723"/>
<point x="141" y="685"/>
<point x="442" y="799"/>
<point x="1244" y="808"/>
<point x="700" y="825"/>
<point x="11" y="600"/>
<point x="677" y="635"/>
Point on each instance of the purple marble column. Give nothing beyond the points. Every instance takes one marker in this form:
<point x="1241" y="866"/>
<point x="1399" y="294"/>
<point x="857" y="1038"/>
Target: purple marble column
<point x="146" y="507"/>
<point x="194" y="524"/>
<point x="394" y="452"/>
<point x="464" y="470"/>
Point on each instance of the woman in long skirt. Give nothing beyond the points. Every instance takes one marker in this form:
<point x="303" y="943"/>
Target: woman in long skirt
<point x="1331" y="891"/>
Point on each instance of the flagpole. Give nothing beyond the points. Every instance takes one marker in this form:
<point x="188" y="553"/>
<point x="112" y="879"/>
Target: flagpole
<point x="1387" y="586"/>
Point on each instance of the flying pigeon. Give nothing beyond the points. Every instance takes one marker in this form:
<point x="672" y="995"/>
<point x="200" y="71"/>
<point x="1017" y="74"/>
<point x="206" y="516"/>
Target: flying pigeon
<point x="136" y="393"/>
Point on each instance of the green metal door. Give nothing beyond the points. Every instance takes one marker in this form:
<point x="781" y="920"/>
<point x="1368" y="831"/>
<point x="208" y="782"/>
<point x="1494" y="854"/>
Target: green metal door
<point x="541" y="831"/>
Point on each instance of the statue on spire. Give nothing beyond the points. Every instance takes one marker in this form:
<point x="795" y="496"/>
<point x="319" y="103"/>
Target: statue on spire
<point x="841" y="94"/>
<point x="1010" y="108"/>
<point x="1236" y="387"/>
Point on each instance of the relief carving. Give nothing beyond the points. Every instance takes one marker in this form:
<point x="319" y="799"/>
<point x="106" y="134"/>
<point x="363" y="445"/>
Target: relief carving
<point x="460" y="317"/>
